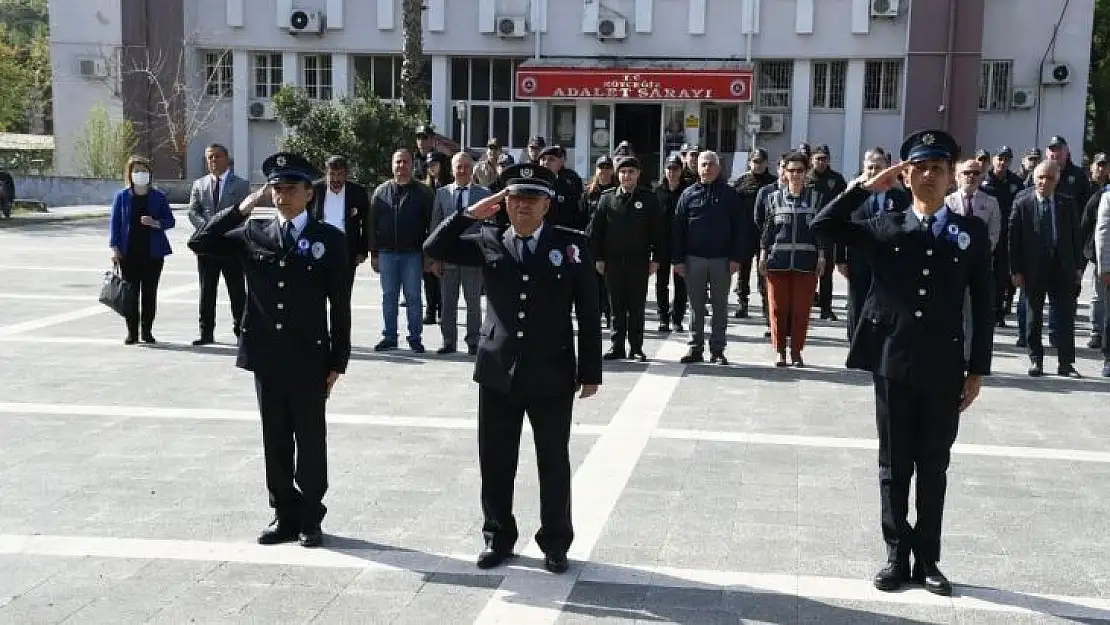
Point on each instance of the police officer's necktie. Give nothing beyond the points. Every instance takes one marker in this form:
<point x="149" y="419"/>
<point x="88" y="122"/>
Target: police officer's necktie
<point x="968" y="209"/>
<point x="929" y="222"/>
<point x="287" y="239"/>
<point x="1048" y="236"/>
<point x="525" y="249"/>
<point x="459" y="206"/>
<point x="874" y="205"/>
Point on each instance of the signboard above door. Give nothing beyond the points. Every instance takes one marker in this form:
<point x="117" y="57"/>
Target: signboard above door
<point x="633" y="84"/>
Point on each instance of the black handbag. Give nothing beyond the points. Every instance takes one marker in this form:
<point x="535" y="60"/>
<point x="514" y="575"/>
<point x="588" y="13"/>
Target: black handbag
<point x="117" y="293"/>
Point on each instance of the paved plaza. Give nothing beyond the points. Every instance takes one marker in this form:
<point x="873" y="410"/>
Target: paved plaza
<point x="131" y="480"/>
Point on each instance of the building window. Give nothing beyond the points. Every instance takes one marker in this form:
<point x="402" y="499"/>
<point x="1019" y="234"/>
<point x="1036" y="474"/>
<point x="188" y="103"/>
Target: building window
<point x="381" y="75"/>
<point x="268" y="76"/>
<point x="995" y="83"/>
<point x="882" y="85"/>
<point x="493" y="110"/>
<point x="773" y="84"/>
<point x="217" y="74"/>
<point x="317" y="76"/>
<point x="828" y="84"/>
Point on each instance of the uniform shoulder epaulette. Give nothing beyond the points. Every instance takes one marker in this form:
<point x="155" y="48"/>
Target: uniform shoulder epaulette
<point x="569" y="230"/>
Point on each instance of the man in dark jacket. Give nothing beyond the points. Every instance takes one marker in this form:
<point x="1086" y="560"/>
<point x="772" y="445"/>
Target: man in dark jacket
<point x="566" y="207"/>
<point x="710" y="240"/>
<point x="830" y="184"/>
<point x="343" y="204"/>
<point x="397" y="223"/>
<point x="748" y="186"/>
<point x="1004" y="185"/>
<point x="667" y="192"/>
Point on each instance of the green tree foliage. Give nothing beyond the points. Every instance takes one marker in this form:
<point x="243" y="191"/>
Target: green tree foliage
<point x="1098" y="89"/>
<point x="362" y="128"/>
<point x="24" y="65"/>
<point x="105" y="145"/>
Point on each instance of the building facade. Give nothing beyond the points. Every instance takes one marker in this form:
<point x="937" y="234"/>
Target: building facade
<point x="724" y="74"/>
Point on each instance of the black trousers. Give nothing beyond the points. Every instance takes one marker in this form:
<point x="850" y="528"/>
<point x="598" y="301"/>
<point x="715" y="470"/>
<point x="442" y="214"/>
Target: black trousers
<point x="603" y="296"/>
<point x="209" y="268"/>
<point x="744" y="279"/>
<point x="294" y="441"/>
<point x="1004" y="285"/>
<point x="144" y="273"/>
<point x="500" y="420"/>
<point x="432" y="297"/>
<point x="856" y="296"/>
<point x="627" y="283"/>
<point x="917" y="426"/>
<point x="1063" y="292"/>
<point x="825" y="289"/>
<point x="670" y="310"/>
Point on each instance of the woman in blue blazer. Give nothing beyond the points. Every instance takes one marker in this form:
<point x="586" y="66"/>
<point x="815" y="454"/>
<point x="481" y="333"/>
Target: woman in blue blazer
<point x="136" y="233"/>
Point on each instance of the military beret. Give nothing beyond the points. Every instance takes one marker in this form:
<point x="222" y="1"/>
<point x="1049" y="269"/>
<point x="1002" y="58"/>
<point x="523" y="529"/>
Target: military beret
<point x="1005" y="152"/>
<point x="926" y="145"/>
<point x="628" y="162"/>
<point x="286" y="167"/>
<point x="528" y="180"/>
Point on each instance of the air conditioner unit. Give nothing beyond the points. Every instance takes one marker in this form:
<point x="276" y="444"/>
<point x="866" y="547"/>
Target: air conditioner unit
<point x="884" y="8"/>
<point x="303" y="22"/>
<point x="261" y="110"/>
<point x="512" y="27"/>
<point x="612" y="28"/>
<point x="771" y="123"/>
<point x="92" y="68"/>
<point x="1023" y="98"/>
<point x="1053" y="73"/>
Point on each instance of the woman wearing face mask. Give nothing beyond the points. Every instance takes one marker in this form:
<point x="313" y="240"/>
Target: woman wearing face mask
<point x="136" y="233"/>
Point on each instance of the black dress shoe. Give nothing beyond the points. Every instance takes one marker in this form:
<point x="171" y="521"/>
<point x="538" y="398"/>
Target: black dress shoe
<point x="934" y="581"/>
<point x="692" y="356"/>
<point x="130" y="339"/>
<point x="416" y="347"/>
<point x="678" y="327"/>
<point x="446" y="349"/>
<point x="892" y="576"/>
<point x="796" y="360"/>
<point x="429" y="320"/>
<point x="718" y="358"/>
<point x="204" y="340"/>
<point x="1036" y="368"/>
<point x="1068" y="371"/>
<point x="1095" y="342"/>
<point x="637" y="355"/>
<point x="556" y="563"/>
<point x="472" y="350"/>
<point x="490" y="558"/>
<point x="149" y="338"/>
<point x="312" y="538"/>
<point x="664" y="327"/>
<point x="278" y="533"/>
<point x="828" y="315"/>
<point x="614" y="354"/>
<point x="385" y="345"/>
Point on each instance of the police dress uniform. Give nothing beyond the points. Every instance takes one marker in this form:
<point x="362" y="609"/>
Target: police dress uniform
<point x="626" y="232"/>
<point x="297" y="281"/>
<point x="910" y="337"/>
<point x="526" y="362"/>
<point x="566" y="203"/>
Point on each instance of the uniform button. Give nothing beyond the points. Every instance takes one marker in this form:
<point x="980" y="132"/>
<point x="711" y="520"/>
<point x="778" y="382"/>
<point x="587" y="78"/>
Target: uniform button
<point x="525" y="277"/>
<point x="520" y="315"/>
<point x="921" y="292"/>
<point x="955" y="259"/>
<point x="928" y="252"/>
<point x="281" y="263"/>
<point x="523" y="296"/>
<point x="281" y="285"/>
<point x="277" y="326"/>
<point x="896" y="248"/>
<point x="917" y="313"/>
<point x="319" y="342"/>
<point x="925" y="271"/>
<point x="281" y="305"/>
<point x="520" y="334"/>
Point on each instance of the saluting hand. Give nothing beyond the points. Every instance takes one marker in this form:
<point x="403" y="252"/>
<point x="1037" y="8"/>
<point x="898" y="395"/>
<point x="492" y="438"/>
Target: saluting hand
<point x="972" y="385"/>
<point x="488" y="206"/>
<point x="885" y="180"/>
<point x="588" y="390"/>
<point x="333" y="376"/>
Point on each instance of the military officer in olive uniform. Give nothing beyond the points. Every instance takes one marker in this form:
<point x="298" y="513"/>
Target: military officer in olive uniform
<point x="296" y="334"/>
<point x="626" y="236"/>
<point x="910" y="337"/>
<point x="534" y="273"/>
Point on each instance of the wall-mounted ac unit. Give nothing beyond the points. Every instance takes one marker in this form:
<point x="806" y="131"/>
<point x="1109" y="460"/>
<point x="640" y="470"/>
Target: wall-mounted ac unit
<point x="92" y="68"/>
<point x="612" y="28"/>
<point x="303" y="22"/>
<point x="1023" y="98"/>
<point x="512" y="26"/>
<point x="771" y="123"/>
<point x="1053" y="73"/>
<point x="884" y="8"/>
<point x="261" y="110"/>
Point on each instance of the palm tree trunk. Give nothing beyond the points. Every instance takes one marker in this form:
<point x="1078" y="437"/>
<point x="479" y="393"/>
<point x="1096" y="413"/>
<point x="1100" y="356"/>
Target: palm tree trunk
<point x="412" y="55"/>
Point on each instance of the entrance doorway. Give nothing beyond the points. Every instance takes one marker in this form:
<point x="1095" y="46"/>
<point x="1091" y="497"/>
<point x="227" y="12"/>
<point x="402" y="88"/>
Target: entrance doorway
<point x="642" y="126"/>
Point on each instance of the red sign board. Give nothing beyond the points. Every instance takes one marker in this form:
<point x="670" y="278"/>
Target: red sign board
<point x="633" y="84"/>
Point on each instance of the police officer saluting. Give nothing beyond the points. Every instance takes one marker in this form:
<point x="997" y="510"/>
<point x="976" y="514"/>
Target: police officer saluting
<point x="626" y="234"/>
<point x="534" y="272"/>
<point x="910" y="336"/>
<point x="297" y="274"/>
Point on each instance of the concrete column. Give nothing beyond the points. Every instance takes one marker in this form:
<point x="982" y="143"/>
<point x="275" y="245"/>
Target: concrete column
<point x="853" y="111"/>
<point x="340" y="75"/>
<point x="443" y="109"/>
<point x="240" y="124"/>
<point x="582" y="131"/>
<point x="800" y="100"/>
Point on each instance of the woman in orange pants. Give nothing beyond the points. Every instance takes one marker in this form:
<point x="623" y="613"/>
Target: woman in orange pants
<point x="790" y="257"/>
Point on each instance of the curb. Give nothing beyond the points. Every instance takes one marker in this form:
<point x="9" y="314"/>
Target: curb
<point x="20" y="222"/>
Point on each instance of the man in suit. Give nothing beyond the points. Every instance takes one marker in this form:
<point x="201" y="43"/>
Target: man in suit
<point x="450" y="200"/>
<point x="1046" y="259"/>
<point x="851" y="263"/>
<point x="534" y="273"/>
<point x="923" y="261"/>
<point x="219" y="190"/>
<point x="298" y="274"/>
<point x="344" y="204"/>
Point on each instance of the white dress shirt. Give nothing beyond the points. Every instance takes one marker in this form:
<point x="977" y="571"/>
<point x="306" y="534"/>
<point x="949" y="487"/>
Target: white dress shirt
<point x="518" y="244"/>
<point x="335" y="207"/>
<point x="299" y="222"/>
